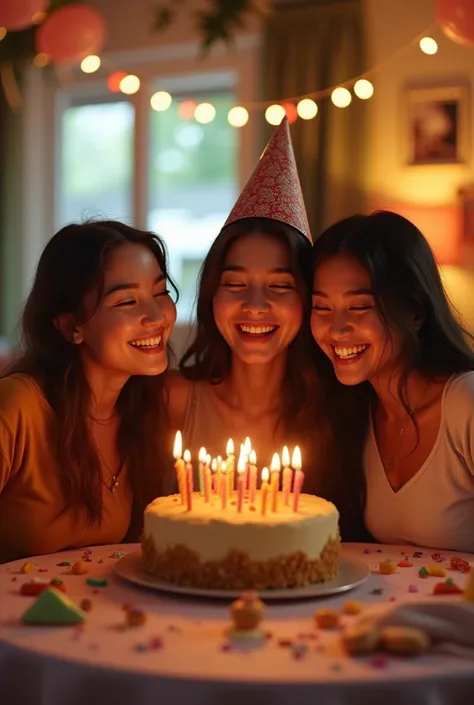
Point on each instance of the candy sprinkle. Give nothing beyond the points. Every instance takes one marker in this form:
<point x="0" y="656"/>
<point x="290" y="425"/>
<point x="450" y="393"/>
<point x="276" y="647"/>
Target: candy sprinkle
<point x="412" y="588"/>
<point x="97" y="582"/>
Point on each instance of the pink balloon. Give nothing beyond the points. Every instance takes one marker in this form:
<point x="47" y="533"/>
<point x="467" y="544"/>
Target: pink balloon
<point x="456" y="19"/>
<point x="71" y="33"/>
<point x="18" y="14"/>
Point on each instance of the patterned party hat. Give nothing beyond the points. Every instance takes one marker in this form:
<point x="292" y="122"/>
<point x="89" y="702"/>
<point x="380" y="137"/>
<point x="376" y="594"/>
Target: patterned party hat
<point x="274" y="189"/>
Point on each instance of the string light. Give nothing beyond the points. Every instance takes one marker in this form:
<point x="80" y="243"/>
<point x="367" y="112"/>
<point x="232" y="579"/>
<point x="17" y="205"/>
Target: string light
<point x="90" y="64"/>
<point x="363" y="89"/>
<point x="204" y="113"/>
<point x="238" y="116"/>
<point x="341" y="97"/>
<point x="274" y="114"/>
<point x="428" y="45"/>
<point x="307" y="109"/>
<point x="130" y="84"/>
<point x="161" y="101"/>
<point x="186" y="109"/>
<point x="114" y="80"/>
<point x="291" y="112"/>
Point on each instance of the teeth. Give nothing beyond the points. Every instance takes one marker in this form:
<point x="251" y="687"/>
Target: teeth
<point x="146" y="342"/>
<point x="257" y="330"/>
<point x="350" y="352"/>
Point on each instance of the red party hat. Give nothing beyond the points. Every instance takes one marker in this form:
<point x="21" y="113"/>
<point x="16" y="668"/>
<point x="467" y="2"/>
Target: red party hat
<point x="274" y="189"/>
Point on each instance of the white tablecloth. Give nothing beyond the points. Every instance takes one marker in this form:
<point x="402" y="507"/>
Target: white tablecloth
<point x="101" y="662"/>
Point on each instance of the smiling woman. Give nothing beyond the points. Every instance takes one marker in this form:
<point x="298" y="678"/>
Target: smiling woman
<point x="81" y="410"/>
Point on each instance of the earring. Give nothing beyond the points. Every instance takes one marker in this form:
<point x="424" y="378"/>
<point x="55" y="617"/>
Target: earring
<point x="76" y="338"/>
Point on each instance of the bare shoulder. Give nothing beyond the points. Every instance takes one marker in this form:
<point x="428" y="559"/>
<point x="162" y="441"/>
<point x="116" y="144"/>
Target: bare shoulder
<point x="178" y="391"/>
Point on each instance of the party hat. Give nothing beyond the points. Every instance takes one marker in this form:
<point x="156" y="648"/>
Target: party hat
<point x="274" y="189"/>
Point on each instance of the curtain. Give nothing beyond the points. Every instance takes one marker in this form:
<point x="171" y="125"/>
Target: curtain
<point x="309" y="47"/>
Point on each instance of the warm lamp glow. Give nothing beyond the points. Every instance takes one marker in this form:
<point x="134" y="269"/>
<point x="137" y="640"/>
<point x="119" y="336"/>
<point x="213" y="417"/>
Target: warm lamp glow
<point x="275" y="464"/>
<point x="230" y="447"/>
<point x="204" y="113"/>
<point x="90" y="64"/>
<point x="130" y="84"/>
<point x="307" y="109"/>
<point x="265" y="475"/>
<point x="363" y="89"/>
<point x="341" y="97"/>
<point x="160" y="101"/>
<point x="274" y="114"/>
<point x="187" y="456"/>
<point x="238" y="116"/>
<point x="296" y="463"/>
<point x="178" y="446"/>
<point x="202" y="455"/>
<point x="253" y="457"/>
<point x="428" y="45"/>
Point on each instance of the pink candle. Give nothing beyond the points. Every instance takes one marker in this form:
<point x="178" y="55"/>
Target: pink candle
<point x="247" y="447"/>
<point x="207" y="484"/>
<point x="253" y="477"/>
<point x="299" y="477"/>
<point x="287" y="476"/>
<point x="189" y="480"/>
<point x="214" y="475"/>
<point x="240" y="483"/>
<point x="202" y="464"/>
<point x="264" y="490"/>
<point x="224" y="484"/>
<point x="230" y="466"/>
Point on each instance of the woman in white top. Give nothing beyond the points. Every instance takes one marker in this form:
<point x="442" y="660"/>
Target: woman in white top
<point x="393" y="343"/>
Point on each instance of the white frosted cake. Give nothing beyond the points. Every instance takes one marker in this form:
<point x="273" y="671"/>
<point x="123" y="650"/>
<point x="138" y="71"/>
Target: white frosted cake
<point x="211" y="547"/>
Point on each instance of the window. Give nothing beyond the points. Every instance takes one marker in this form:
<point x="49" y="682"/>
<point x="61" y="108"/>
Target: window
<point x="193" y="184"/>
<point x="96" y="162"/>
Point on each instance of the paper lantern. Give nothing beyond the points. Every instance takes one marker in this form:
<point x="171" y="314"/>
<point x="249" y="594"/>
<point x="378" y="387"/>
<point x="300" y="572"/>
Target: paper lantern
<point x="71" y="33"/>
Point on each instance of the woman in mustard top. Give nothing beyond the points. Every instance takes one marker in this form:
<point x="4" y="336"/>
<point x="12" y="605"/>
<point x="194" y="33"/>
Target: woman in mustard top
<point x="80" y="409"/>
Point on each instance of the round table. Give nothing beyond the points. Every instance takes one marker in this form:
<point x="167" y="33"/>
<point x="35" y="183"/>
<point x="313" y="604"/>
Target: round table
<point x="181" y="654"/>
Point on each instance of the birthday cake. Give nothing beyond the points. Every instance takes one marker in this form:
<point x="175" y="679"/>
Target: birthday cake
<point x="215" y="547"/>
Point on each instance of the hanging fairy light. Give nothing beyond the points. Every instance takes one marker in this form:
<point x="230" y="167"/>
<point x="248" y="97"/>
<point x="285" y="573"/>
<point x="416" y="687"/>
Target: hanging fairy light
<point x="204" y="113"/>
<point x="341" y="97"/>
<point x="291" y="112"/>
<point x="274" y="114"/>
<point x="90" y="64"/>
<point x="307" y="109"/>
<point x="186" y="109"/>
<point x="238" y="116"/>
<point x="130" y="84"/>
<point x="363" y="89"/>
<point x="161" y="101"/>
<point x="114" y="80"/>
<point x="428" y="45"/>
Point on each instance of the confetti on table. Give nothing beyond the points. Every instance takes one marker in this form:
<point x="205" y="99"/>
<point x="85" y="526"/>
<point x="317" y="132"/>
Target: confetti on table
<point x="376" y="591"/>
<point x="63" y="564"/>
<point x="299" y="650"/>
<point x="379" y="662"/>
<point x="97" y="582"/>
<point x="405" y="564"/>
<point x="418" y="554"/>
<point x="412" y="588"/>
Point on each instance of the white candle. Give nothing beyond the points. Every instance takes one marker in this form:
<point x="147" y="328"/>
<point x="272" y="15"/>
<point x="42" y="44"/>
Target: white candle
<point x="189" y="480"/>
<point x="179" y="466"/>
<point x="299" y="477"/>
<point x="264" y="491"/>
<point x="287" y="476"/>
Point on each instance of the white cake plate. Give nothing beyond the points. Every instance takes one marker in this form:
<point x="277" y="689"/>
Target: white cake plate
<point x="352" y="573"/>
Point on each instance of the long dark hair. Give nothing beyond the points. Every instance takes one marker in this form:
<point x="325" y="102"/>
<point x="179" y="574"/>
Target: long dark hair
<point x="209" y="356"/>
<point x="406" y="282"/>
<point x="73" y="263"/>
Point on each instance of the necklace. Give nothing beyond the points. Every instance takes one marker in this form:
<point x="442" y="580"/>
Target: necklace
<point x="103" y="422"/>
<point x="113" y="483"/>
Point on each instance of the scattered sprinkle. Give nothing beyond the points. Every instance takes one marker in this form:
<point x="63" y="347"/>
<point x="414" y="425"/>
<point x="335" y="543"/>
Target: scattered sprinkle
<point x="135" y="618"/>
<point x="412" y="588"/>
<point x="57" y="581"/>
<point x="437" y="557"/>
<point x="14" y="578"/>
<point x="379" y="662"/>
<point x="284" y="642"/>
<point x="459" y="564"/>
<point x="140" y="647"/>
<point x="101" y="560"/>
<point x="299" y="650"/>
<point x="226" y="646"/>
<point x="376" y="591"/>
<point x="97" y="582"/>
<point x="79" y="568"/>
<point x="405" y="564"/>
<point x="352" y="607"/>
<point x="387" y="567"/>
<point x="64" y="564"/>
<point x="367" y="550"/>
<point x="423" y="572"/>
<point x="43" y="570"/>
<point x="27" y="567"/>
<point x="326" y="618"/>
<point x="118" y="554"/>
<point x="392" y="599"/>
<point x="86" y="605"/>
<point x="418" y="554"/>
<point x="156" y="643"/>
<point x="173" y="628"/>
<point x="335" y="666"/>
<point x="379" y="550"/>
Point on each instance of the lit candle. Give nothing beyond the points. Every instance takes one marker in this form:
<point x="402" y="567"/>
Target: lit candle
<point x="179" y="465"/>
<point x="207" y="479"/>
<point x="264" y="489"/>
<point x="253" y="476"/>
<point x="240" y="483"/>
<point x="287" y="476"/>
<point x="202" y="463"/>
<point x="224" y="484"/>
<point x="230" y="462"/>
<point x="275" y="468"/>
<point x="214" y="475"/>
<point x="299" y="477"/>
<point x="247" y="448"/>
<point x="189" y="480"/>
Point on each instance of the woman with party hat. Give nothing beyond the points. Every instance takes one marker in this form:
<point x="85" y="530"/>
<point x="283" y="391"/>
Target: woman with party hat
<point x="249" y="371"/>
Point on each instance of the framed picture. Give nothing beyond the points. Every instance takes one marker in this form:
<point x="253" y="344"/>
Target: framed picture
<point x="436" y="125"/>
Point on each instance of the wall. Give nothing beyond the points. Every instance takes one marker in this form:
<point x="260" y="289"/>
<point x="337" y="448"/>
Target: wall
<point x="426" y="194"/>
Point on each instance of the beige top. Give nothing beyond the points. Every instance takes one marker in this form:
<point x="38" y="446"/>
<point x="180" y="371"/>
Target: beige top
<point x="32" y="517"/>
<point x="435" y="508"/>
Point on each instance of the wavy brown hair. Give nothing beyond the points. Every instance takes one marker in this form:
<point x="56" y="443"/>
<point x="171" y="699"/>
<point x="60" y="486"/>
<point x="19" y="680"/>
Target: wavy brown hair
<point x="72" y="264"/>
<point x="209" y="356"/>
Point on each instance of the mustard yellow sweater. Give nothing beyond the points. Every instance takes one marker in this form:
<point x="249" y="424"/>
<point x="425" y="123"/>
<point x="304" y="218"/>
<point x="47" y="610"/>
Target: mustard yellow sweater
<point x="32" y="503"/>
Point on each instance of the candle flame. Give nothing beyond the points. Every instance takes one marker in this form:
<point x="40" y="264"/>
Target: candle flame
<point x="224" y="467"/>
<point x="178" y="446"/>
<point x="214" y="465"/>
<point x="230" y="447"/>
<point x="285" y="457"/>
<point x="202" y="455"/>
<point x="241" y="463"/>
<point x="187" y="456"/>
<point x="275" y="464"/>
<point x="253" y="457"/>
<point x="208" y="459"/>
<point x="296" y="462"/>
<point x="265" y="475"/>
<point x="247" y="445"/>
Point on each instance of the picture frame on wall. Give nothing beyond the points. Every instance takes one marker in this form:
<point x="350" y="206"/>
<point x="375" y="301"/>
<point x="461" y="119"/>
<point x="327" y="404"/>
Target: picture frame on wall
<point x="437" y="125"/>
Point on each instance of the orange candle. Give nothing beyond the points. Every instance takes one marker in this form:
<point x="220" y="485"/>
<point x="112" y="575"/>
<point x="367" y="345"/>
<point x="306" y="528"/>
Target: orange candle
<point x="207" y="483"/>
<point x="202" y="463"/>
<point x="287" y="476"/>
<point x="240" y="483"/>
<point x="230" y="462"/>
<point x="189" y="480"/>
<point x="275" y="468"/>
<point x="218" y="474"/>
<point x="179" y="466"/>
<point x="264" y="489"/>
<point x="214" y="475"/>
<point x="253" y="477"/>
<point x="224" y="484"/>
